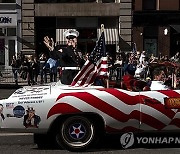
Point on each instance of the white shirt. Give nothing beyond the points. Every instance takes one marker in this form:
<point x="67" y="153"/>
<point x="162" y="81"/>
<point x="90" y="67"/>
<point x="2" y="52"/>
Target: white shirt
<point x="158" y="85"/>
<point x="141" y="59"/>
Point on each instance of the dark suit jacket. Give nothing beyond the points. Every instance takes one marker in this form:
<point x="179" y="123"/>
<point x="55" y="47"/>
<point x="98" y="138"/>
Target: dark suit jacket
<point x="69" y="57"/>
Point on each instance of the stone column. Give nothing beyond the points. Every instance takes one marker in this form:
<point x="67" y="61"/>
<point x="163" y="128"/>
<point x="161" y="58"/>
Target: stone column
<point x="157" y="4"/>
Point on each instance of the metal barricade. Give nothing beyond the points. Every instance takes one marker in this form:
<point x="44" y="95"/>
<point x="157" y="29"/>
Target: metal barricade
<point x="116" y="73"/>
<point x="7" y="77"/>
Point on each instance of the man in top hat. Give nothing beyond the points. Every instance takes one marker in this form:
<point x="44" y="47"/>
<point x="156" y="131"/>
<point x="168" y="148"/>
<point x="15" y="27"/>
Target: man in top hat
<point x="31" y="119"/>
<point x="70" y="58"/>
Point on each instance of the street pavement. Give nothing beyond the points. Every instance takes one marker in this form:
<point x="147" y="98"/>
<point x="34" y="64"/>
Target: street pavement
<point x="23" y="144"/>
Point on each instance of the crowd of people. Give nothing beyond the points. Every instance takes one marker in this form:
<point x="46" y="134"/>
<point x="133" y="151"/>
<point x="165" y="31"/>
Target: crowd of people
<point x="66" y="61"/>
<point x="133" y="70"/>
<point x="25" y="67"/>
<point x="138" y="70"/>
<point x="127" y="70"/>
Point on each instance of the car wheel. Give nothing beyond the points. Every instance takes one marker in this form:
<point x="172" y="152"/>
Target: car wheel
<point x="76" y="133"/>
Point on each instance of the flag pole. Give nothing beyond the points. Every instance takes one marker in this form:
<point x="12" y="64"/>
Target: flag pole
<point x="102" y="28"/>
<point x="107" y="80"/>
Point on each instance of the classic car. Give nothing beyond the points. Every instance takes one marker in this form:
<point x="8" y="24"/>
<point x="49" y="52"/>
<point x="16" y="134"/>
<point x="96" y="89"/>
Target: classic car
<point x="75" y="117"/>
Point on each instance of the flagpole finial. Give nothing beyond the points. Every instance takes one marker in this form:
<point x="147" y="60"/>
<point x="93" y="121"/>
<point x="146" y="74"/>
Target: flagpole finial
<point x="102" y="27"/>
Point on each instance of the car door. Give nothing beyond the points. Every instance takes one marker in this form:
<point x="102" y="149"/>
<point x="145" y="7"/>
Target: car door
<point x="122" y="109"/>
<point x="158" y="110"/>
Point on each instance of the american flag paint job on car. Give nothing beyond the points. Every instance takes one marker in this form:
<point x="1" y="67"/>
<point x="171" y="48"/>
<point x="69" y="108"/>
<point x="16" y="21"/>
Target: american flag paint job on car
<point x="122" y="110"/>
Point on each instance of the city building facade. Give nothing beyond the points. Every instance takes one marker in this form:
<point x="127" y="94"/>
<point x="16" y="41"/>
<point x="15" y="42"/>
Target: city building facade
<point x="53" y="17"/>
<point x="156" y="26"/>
<point x="153" y="25"/>
<point x="10" y="31"/>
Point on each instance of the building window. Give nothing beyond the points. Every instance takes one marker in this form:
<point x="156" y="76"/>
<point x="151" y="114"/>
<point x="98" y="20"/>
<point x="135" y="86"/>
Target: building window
<point x="149" y="4"/>
<point x="2" y="31"/>
<point x="150" y="46"/>
<point x="150" y="40"/>
<point x="11" y="31"/>
<point x="7" y="31"/>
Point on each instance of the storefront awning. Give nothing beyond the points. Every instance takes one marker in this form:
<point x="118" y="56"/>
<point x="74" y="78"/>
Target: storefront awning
<point x="60" y="39"/>
<point x="176" y="27"/>
<point x="111" y="35"/>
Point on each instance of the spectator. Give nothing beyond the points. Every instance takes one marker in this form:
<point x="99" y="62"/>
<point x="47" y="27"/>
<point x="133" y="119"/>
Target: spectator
<point x="35" y="70"/>
<point x="25" y="69"/>
<point x="111" y="67"/>
<point x="176" y="58"/>
<point x="31" y="70"/>
<point x="15" y="67"/>
<point x="118" y="66"/>
<point x="166" y="58"/>
<point x="52" y="62"/>
<point x="158" y="80"/>
<point x="43" y="71"/>
<point x="130" y="68"/>
<point x="159" y="75"/>
<point x="140" y="70"/>
<point x="142" y="57"/>
<point x="138" y="54"/>
<point x="153" y="59"/>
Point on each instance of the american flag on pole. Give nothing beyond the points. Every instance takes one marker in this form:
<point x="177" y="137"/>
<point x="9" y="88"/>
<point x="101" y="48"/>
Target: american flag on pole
<point x="96" y="65"/>
<point x="134" y="51"/>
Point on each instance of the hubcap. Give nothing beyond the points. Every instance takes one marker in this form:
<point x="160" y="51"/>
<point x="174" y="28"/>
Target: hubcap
<point x="77" y="131"/>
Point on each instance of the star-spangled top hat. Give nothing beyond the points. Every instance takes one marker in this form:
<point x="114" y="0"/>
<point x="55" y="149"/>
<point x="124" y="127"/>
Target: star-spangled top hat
<point x="30" y="109"/>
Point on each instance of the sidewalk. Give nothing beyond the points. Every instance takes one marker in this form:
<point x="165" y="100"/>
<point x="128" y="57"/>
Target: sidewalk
<point x="10" y="84"/>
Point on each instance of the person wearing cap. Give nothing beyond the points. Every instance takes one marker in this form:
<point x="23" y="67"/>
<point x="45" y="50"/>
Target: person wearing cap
<point x="70" y="58"/>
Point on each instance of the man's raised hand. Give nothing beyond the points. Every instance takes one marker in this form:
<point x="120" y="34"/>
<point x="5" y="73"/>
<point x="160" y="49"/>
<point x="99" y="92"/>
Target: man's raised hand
<point x="49" y="43"/>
